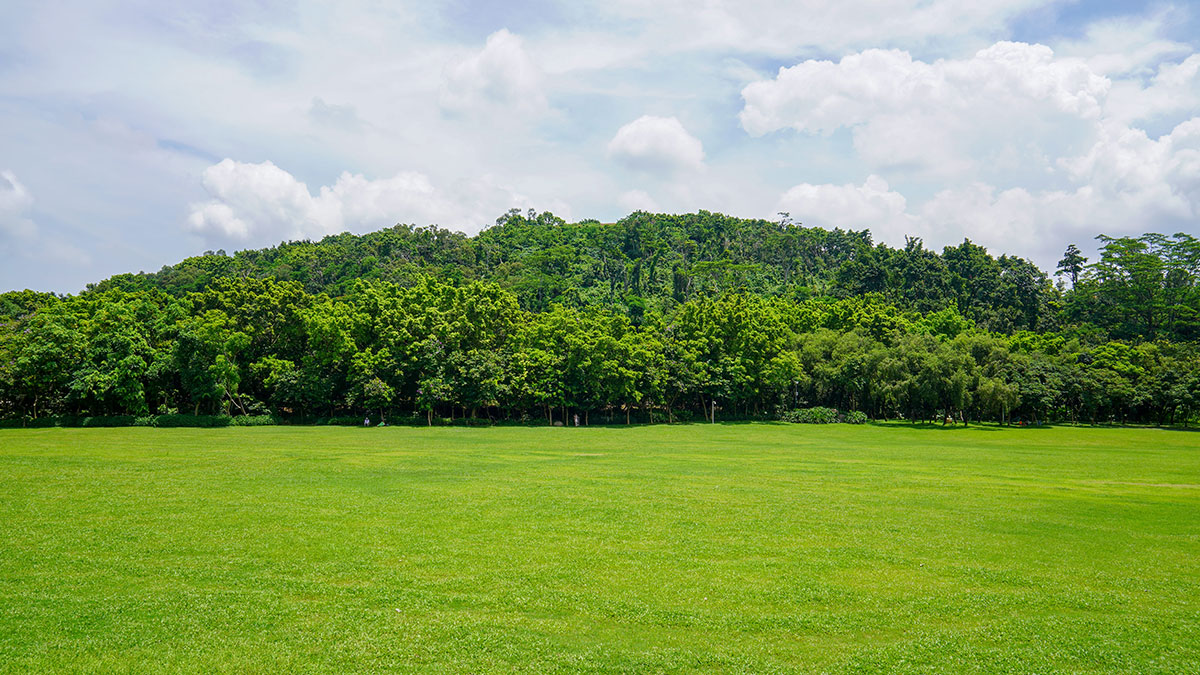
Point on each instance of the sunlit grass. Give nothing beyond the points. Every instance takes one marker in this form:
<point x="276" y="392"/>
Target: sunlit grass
<point x="753" y="548"/>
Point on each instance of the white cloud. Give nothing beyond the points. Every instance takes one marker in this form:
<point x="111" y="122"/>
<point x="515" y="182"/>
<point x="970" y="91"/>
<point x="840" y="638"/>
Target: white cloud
<point x="434" y="130"/>
<point x="1128" y="45"/>
<point x="940" y="117"/>
<point x="637" y="200"/>
<point x="262" y="199"/>
<point x="1174" y="89"/>
<point x="261" y="203"/>
<point x="20" y="236"/>
<point x="872" y="205"/>
<point x="1127" y="183"/>
<point x="783" y="27"/>
<point x="502" y="74"/>
<point x="656" y="144"/>
<point x="15" y="204"/>
<point x="1155" y="180"/>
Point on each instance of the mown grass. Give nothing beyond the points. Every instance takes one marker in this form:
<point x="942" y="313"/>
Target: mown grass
<point x="753" y="547"/>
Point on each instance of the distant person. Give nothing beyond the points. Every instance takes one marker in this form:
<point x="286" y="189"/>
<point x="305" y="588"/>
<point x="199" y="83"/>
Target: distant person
<point x="576" y="419"/>
<point x="366" y="421"/>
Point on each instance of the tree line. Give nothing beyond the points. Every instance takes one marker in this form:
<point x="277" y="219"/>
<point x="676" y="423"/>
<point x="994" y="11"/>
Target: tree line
<point x="437" y="347"/>
<point x="1142" y="288"/>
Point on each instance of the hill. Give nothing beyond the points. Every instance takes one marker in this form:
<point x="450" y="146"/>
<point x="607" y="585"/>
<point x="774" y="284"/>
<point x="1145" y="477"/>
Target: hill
<point x="652" y="317"/>
<point x="645" y="261"/>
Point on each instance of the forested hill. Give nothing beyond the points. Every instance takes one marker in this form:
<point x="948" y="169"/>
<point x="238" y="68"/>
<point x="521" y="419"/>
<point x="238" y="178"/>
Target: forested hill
<point x="667" y="316"/>
<point x="646" y="262"/>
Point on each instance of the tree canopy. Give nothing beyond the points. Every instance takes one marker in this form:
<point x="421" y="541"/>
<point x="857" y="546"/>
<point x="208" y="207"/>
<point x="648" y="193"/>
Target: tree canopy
<point x="658" y="317"/>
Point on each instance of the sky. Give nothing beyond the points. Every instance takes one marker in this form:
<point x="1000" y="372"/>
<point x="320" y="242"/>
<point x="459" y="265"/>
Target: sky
<point x="136" y="133"/>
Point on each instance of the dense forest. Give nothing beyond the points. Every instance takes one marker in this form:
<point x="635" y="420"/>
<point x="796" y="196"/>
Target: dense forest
<point x="653" y="318"/>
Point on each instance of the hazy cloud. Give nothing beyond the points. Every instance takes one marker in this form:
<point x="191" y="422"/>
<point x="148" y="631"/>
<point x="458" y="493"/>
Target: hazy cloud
<point x="15" y="204"/>
<point x="502" y="74"/>
<point x="339" y="116"/>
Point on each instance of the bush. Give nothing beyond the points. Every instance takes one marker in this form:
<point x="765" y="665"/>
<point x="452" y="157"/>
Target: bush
<point x="811" y="416"/>
<point x="467" y="422"/>
<point x="99" y="421"/>
<point x="855" y="417"/>
<point x="47" y="422"/>
<point x="253" y="421"/>
<point x="202" y="421"/>
<point x="823" y="416"/>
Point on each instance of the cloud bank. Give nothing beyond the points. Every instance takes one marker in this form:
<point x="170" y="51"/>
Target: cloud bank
<point x="1021" y="125"/>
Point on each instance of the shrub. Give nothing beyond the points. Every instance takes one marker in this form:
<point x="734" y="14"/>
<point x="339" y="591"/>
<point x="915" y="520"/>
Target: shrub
<point x="855" y="417"/>
<point x="203" y="421"/>
<point x="816" y="415"/>
<point x="823" y="416"/>
<point x="253" y="421"/>
<point x="104" y="421"/>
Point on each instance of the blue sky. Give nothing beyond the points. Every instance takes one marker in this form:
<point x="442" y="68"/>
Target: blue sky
<point x="138" y="133"/>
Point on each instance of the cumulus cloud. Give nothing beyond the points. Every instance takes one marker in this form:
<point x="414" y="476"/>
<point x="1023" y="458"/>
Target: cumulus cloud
<point x="257" y="203"/>
<point x="964" y="140"/>
<point x="15" y="205"/>
<point x="656" y="145"/>
<point x="1174" y="88"/>
<point x="942" y="116"/>
<point x="1125" y="183"/>
<point x="872" y="205"/>
<point x="502" y="74"/>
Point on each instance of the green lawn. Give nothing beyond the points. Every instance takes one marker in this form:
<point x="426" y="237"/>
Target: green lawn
<point x="755" y="548"/>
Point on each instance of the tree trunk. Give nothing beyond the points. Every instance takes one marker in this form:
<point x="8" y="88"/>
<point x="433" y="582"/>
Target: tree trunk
<point x="236" y="402"/>
<point x="627" y="407"/>
<point x="429" y="417"/>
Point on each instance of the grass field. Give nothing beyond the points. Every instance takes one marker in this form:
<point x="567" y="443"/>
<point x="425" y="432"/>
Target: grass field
<point x="756" y="548"/>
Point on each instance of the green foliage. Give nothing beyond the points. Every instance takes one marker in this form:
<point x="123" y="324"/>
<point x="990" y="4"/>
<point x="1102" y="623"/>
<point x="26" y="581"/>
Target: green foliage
<point x="817" y="415"/>
<point x="855" y="417"/>
<point x="253" y="421"/>
<point x="653" y="318"/>
<point x="200" y="421"/>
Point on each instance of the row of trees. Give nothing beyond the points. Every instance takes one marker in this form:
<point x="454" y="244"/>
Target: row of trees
<point x="438" y="347"/>
<point x="1142" y="288"/>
